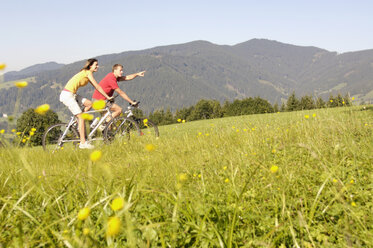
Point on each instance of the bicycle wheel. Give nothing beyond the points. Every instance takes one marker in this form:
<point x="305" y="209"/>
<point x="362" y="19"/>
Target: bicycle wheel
<point x="52" y="140"/>
<point x="148" y="127"/>
<point x="121" y="127"/>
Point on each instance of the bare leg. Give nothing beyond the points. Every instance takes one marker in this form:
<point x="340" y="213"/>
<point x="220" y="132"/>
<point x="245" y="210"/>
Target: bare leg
<point x="81" y="128"/>
<point x="116" y="110"/>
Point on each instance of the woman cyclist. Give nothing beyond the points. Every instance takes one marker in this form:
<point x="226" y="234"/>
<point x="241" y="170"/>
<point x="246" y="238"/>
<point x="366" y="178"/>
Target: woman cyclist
<point x="73" y="101"/>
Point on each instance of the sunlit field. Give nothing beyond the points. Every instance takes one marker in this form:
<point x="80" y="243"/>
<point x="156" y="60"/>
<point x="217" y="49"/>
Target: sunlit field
<point x="298" y="179"/>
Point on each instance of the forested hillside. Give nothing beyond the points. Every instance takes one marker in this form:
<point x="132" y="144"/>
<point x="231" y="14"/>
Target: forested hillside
<point x="180" y="75"/>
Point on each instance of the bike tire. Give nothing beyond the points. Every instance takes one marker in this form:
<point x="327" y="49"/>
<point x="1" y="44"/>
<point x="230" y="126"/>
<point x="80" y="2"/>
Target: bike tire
<point x="52" y="137"/>
<point x="148" y="127"/>
<point x="121" y="127"/>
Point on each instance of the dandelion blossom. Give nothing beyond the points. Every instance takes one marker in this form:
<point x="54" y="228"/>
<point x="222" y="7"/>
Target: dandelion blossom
<point x="21" y="85"/>
<point x="150" y="147"/>
<point x="13" y="130"/>
<point x="353" y="98"/>
<point x="95" y="155"/>
<point x="306" y="116"/>
<point x="33" y="129"/>
<point x="353" y="204"/>
<point x="183" y="121"/>
<point x="2" y="66"/>
<point x="314" y="115"/>
<point x="117" y="204"/>
<point x="331" y="100"/>
<point x="2" y="131"/>
<point x="86" y="231"/>
<point x="178" y="120"/>
<point x="335" y="180"/>
<point x="87" y="117"/>
<point x="274" y="168"/>
<point x="225" y="167"/>
<point x="182" y="177"/>
<point x="113" y="226"/>
<point x="226" y="180"/>
<point x="99" y="104"/>
<point x="84" y="213"/>
<point x="42" y="109"/>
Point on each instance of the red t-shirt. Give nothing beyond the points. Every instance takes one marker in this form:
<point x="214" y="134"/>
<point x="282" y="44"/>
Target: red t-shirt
<point x="109" y="84"/>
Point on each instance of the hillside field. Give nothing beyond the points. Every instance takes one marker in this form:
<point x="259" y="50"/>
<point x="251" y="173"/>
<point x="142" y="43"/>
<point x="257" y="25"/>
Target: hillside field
<point x="297" y="179"/>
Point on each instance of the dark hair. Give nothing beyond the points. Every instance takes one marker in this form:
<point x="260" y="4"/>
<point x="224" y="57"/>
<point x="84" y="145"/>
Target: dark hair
<point x="88" y="64"/>
<point x="116" y="66"/>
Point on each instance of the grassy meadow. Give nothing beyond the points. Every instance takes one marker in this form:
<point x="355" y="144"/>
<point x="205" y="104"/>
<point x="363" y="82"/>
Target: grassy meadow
<point x="297" y="179"/>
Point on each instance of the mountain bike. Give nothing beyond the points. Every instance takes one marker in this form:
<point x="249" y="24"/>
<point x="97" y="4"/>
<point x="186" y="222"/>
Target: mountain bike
<point x="62" y="135"/>
<point x="131" y="122"/>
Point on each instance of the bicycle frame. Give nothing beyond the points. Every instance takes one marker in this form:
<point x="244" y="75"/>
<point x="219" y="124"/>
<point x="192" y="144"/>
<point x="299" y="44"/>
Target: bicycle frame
<point x="74" y="120"/>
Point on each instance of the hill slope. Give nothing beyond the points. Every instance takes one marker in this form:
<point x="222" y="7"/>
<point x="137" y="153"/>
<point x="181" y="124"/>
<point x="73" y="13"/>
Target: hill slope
<point x="180" y="75"/>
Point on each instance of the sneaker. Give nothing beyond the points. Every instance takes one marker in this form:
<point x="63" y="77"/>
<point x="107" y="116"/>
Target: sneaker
<point x="86" y="145"/>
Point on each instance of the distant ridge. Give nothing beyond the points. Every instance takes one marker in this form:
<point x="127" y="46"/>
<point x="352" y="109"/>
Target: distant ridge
<point x="180" y="75"/>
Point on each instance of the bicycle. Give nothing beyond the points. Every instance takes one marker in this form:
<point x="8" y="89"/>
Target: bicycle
<point x="132" y="122"/>
<point x="60" y="135"/>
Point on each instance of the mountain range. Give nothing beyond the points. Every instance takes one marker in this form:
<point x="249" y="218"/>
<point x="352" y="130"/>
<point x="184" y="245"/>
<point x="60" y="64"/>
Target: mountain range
<point x="179" y="75"/>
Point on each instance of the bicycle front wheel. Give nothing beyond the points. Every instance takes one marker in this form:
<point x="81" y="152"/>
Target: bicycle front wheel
<point x="148" y="127"/>
<point x="53" y="138"/>
<point x="121" y="127"/>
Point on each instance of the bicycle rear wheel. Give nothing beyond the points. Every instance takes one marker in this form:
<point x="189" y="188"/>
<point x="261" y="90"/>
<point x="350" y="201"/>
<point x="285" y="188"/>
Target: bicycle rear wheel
<point x="121" y="127"/>
<point x="52" y="140"/>
<point x="148" y="127"/>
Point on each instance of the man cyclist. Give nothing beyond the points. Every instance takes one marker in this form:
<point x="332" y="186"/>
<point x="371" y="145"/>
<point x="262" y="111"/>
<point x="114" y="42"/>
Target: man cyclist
<point x="109" y="84"/>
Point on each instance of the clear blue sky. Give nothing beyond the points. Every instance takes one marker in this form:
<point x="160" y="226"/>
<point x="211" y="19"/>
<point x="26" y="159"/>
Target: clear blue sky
<point x="65" y="31"/>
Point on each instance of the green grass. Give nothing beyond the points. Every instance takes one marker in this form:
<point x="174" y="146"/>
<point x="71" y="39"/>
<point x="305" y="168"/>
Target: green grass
<point x="206" y="184"/>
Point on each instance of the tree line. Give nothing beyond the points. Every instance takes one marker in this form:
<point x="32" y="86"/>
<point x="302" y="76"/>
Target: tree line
<point x="202" y="110"/>
<point x="209" y="109"/>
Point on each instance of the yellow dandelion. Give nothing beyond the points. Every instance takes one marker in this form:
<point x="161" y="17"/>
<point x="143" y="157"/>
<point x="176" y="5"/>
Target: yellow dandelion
<point x="199" y="133"/>
<point x="183" y="121"/>
<point x="237" y="130"/>
<point x="352" y="181"/>
<point x="274" y="151"/>
<point x="306" y="116"/>
<point x="99" y="104"/>
<point x="117" y="204"/>
<point x="33" y="129"/>
<point x="2" y="131"/>
<point x="145" y="121"/>
<point x="2" y="66"/>
<point x="353" y="98"/>
<point x="13" y="130"/>
<point x="21" y="85"/>
<point x="335" y="180"/>
<point x="86" y="231"/>
<point x="194" y="175"/>
<point x="226" y="180"/>
<point x="149" y="147"/>
<point x="353" y="204"/>
<point x="87" y="116"/>
<point x="199" y="175"/>
<point x="178" y="120"/>
<point x="274" y="168"/>
<point x="42" y="109"/>
<point x="18" y="133"/>
<point x="225" y="167"/>
<point x="32" y="133"/>
<point x="113" y="226"/>
<point x="314" y="115"/>
<point x="331" y="100"/>
<point x="95" y="155"/>
<point x="182" y="177"/>
<point x="23" y="140"/>
<point x="253" y="128"/>
<point x="207" y="134"/>
<point x="343" y="102"/>
<point x="84" y="213"/>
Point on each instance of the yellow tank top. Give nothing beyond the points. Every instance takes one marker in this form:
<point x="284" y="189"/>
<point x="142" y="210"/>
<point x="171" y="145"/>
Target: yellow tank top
<point x="78" y="80"/>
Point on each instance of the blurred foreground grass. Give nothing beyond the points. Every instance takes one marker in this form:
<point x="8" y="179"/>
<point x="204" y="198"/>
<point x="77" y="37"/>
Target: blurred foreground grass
<point x="299" y="179"/>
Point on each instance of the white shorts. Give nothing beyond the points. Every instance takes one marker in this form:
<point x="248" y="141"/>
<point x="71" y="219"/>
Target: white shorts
<point x="74" y="102"/>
